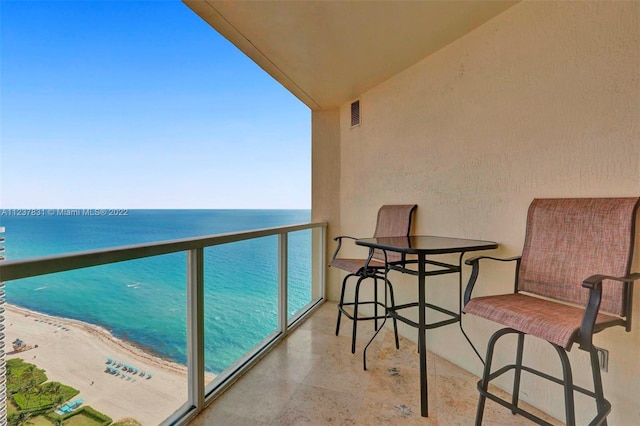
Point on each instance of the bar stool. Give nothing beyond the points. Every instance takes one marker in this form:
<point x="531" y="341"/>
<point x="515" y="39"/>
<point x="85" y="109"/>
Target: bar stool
<point x="393" y="220"/>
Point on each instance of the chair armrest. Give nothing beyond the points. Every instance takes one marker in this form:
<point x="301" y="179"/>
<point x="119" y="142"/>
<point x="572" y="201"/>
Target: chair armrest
<point x="475" y="263"/>
<point x="339" y="240"/>
<point x="340" y="237"/>
<point x="594" y="284"/>
<point x="472" y="260"/>
<point x="595" y="281"/>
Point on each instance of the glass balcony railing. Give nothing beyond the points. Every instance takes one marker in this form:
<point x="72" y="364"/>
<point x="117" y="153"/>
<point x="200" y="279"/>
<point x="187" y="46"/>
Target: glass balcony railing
<point x="185" y="341"/>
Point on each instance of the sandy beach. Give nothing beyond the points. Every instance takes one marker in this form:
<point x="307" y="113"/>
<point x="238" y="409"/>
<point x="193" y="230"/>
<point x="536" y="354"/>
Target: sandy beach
<point x="75" y="353"/>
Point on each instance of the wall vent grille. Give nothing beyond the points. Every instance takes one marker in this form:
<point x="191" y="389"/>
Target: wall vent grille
<point x="355" y="113"/>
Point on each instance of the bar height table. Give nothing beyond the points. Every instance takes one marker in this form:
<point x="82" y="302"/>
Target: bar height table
<point x="423" y="246"/>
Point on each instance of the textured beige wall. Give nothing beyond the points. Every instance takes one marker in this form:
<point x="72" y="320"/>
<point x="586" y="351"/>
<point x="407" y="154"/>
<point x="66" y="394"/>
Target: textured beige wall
<point x="542" y="101"/>
<point x="325" y="170"/>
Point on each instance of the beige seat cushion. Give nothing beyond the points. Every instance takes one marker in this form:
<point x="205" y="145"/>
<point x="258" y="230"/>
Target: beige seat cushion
<point x="355" y="266"/>
<point x="555" y="322"/>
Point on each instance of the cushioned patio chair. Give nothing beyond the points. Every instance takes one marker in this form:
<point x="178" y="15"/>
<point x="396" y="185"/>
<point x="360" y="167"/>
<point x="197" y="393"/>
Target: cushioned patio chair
<point x="393" y="220"/>
<point x="573" y="280"/>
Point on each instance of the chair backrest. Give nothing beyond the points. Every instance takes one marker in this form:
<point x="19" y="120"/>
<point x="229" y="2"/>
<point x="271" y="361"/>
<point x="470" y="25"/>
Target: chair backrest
<point x="393" y="221"/>
<point x="568" y="240"/>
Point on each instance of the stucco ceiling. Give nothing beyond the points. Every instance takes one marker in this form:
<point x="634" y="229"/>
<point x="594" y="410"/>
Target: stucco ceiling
<point x="329" y="52"/>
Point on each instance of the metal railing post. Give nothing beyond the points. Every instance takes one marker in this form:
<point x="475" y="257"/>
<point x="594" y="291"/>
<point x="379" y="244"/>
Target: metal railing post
<point x="283" y="269"/>
<point x="195" y="326"/>
<point x="323" y="261"/>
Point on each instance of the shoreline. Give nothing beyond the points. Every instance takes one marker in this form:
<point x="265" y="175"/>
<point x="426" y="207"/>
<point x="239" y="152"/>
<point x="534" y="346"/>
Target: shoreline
<point x="101" y="333"/>
<point x="75" y="353"/>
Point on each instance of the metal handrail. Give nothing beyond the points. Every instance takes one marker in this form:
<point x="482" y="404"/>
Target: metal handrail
<point x="25" y="268"/>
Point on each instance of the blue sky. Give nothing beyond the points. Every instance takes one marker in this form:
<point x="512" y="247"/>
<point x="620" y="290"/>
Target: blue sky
<point x="141" y="104"/>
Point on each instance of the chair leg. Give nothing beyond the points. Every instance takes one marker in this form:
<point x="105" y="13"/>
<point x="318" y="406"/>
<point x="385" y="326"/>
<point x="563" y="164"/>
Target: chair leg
<point x="375" y="304"/>
<point x="517" y="373"/>
<point x="569" y="406"/>
<point x="393" y="303"/>
<point x="356" y="304"/>
<point x="355" y="315"/>
<point x="344" y="285"/>
<point x="603" y="408"/>
<point x="483" y="384"/>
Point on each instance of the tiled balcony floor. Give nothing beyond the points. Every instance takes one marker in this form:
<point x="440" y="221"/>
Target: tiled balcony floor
<point x="312" y="378"/>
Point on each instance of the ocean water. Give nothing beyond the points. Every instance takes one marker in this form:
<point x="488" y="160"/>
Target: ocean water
<point x="144" y="301"/>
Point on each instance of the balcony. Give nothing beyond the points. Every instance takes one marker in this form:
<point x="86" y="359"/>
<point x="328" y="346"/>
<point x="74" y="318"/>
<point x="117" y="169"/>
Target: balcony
<point x="472" y="131"/>
<point x="300" y="374"/>
<point x="311" y="377"/>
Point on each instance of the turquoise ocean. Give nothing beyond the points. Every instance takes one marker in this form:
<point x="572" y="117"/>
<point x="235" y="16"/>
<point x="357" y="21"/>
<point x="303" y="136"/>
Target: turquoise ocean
<point x="144" y="301"/>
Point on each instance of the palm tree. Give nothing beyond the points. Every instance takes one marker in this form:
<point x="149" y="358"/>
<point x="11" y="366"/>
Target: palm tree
<point x="40" y="391"/>
<point x="12" y="379"/>
<point x="29" y="378"/>
<point x="55" y="394"/>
